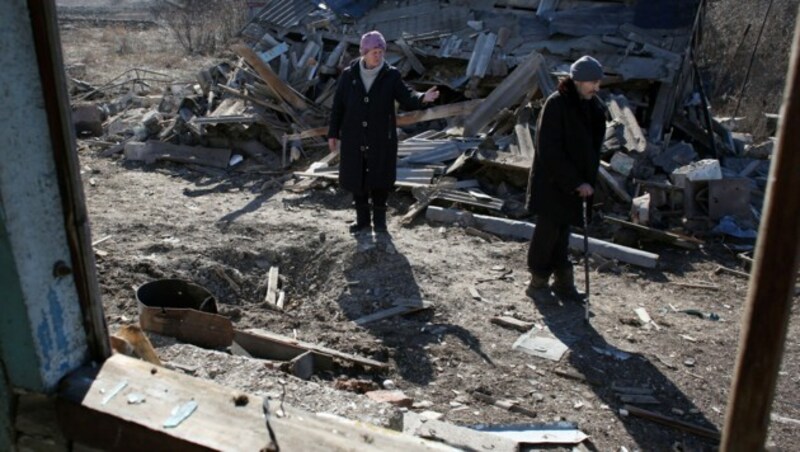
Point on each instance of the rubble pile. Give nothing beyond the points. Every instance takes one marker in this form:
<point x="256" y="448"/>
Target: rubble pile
<point x="669" y="172"/>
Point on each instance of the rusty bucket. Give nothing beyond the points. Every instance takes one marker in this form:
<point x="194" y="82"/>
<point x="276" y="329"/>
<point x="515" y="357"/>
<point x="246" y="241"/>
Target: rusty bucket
<point x="183" y="310"/>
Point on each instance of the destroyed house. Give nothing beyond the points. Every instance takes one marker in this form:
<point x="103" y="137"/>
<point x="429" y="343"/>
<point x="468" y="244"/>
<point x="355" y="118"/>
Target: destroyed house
<point x="470" y="46"/>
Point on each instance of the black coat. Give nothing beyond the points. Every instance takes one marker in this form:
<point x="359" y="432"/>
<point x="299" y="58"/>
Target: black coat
<point x="367" y="127"/>
<point x="569" y="135"/>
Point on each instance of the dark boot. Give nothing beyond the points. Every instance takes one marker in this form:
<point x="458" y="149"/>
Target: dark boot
<point x="362" y="219"/>
<point x="538" y="289"/>
<point x="379" y="219"/>
<point x="564" y="286"/>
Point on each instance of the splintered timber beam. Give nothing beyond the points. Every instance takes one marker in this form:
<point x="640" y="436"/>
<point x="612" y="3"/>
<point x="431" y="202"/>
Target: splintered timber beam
<point x="524" y="230"/>
<point x="271" y="78"/>
<point x="521" y="81"/>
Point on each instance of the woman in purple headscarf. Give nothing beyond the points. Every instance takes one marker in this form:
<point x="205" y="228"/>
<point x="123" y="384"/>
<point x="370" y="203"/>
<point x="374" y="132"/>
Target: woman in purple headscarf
<point x="363" y="119"/>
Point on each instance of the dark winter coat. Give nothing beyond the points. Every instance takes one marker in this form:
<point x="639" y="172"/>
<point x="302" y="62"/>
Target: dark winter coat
<point x="569" y="135"/>
<point x="367" y="127"/>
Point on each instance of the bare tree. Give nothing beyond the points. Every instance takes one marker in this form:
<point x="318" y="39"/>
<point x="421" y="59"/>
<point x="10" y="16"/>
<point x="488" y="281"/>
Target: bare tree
<point x="201" y="26"/>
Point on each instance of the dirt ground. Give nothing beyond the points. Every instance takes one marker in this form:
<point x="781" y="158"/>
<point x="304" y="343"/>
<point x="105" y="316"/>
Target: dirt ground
<point x="173" y="221"/>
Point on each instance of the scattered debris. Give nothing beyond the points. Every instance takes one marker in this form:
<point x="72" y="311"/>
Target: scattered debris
<point x="670" y="422"/>
<point x="403" y="307"/>
<point x="509" y="405"/>
<point x="114" y="391"/>
<point x="134" y="338"/>
<point x="180" y="413"/>
<point x="264" y="344"/>
<point x="541" y="344"/>
<point x="277" y="91"/>
<point x="513" y="323"/>
<point x="556" y="433"/>
<point x="393" y="397"/>
<point x="462" y="438"/>
<point x="700" y="314"/>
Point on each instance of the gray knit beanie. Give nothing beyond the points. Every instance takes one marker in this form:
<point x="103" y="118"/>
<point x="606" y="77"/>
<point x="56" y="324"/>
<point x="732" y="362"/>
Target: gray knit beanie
<point x="586" y="69"/>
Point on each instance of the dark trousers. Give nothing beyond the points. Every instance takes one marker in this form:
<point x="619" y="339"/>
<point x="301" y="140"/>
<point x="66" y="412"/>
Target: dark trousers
<point x="548" y="251"/>
<point x="378" y="198"/>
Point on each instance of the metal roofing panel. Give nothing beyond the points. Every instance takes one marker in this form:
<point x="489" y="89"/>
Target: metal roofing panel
<point x="284" y="13"/>
<point x="414" y="18"/>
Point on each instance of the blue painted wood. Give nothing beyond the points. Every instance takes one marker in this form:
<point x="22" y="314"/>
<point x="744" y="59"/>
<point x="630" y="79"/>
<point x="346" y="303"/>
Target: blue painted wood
<point x="41" y="324"/>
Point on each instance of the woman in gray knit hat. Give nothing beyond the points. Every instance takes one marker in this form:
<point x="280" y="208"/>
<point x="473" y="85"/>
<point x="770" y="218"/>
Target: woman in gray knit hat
<point x="363" y="118"/>
<point x="569" y="135"/>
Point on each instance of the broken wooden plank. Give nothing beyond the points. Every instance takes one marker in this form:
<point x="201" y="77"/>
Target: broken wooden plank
<point x="101" y="240"/>
<point x="469" y="199"/>
<point x="416" y="64"/>
<point x="407" y="118"/>
<point x="509" y="405"/>
<point x="424" y="198"/>
<point x="200" y="328"/>
<point x="511" y="322"/>
<point x="662" y="111"/>
<point x="267" y="345"/>
<point x="671" y="422"/>
<point x="235" y="119"/>
<point x="392" y="312"/>
<point x="684" y="241"/>
<point x="152" y="151"/>
<point x="491" y="238"/>
<point x="576" y="375"/>
<point x="134" y="337"/>
<point x="83" y="418"/>
<point x="271" y="297"/>
<point x="513" y="88"/>
<point x="524" y="230"/>
<point x="721" y="269"/>
<point x="284" y="91"/>
<point x="461" y="437"/>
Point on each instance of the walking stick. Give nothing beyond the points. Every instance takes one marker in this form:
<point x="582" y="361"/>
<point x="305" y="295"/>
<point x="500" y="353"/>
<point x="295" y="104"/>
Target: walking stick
<point x="586" y="254"/>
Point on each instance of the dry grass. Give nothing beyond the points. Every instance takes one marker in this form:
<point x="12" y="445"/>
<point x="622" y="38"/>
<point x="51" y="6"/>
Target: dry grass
<point x="108" y="51"/>
<point x="726" y="51"/>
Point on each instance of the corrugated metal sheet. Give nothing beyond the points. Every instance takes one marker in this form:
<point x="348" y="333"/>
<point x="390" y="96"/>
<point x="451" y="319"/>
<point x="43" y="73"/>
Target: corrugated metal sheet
<point x="354" y="8"/>
<point x="412" y="18"/>
<point x="283" y="13"/>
